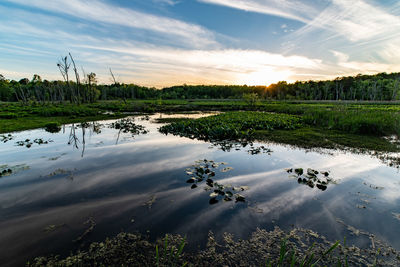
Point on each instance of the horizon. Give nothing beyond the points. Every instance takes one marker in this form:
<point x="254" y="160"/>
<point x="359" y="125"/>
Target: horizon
<point x="163" y="43"/>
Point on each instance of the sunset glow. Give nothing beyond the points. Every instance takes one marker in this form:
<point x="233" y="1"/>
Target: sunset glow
<point x="166" y="42"/>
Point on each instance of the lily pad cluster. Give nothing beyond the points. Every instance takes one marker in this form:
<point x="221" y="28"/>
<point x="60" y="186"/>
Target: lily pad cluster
<point x="312" y="178"/>
<point x="28" y="143"/>
<point x="259" y="150"/>
<point x="206" y="170"/>
<point x="231" y="125"/>
<point x="128" y="126"/>
<point x="5" y="138"/>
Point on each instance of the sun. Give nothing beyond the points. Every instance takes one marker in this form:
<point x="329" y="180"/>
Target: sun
<point x="264" y="77"/>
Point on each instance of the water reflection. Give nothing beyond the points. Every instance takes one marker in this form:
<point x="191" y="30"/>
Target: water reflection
<point x="139" y="184"/>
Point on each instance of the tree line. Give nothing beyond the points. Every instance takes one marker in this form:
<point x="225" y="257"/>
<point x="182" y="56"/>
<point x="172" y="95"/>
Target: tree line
<point x="78" y="89"/>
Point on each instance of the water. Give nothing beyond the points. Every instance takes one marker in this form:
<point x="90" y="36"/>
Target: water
<point x="110" y="182"/>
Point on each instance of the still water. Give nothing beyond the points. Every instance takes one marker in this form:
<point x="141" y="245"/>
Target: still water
<point x="84" y="184"/>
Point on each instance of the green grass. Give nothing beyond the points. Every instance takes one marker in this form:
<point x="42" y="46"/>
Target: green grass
<point x="326" y="124"/>
<point x="314" y="137"/>
<point x="231" y="125"/>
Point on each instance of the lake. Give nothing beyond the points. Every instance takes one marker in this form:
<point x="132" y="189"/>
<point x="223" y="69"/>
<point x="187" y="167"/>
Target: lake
<point x="92" y="181"/>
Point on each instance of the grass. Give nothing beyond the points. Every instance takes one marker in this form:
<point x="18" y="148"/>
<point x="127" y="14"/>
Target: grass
<point x="298" y="247"/>
<point x="16" y="117"/>
<point x="317" y="137"/>
<point x="323" y="124"/>
<point x="231" y="125"/>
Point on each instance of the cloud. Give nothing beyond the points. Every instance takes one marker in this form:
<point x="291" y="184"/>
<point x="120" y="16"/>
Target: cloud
<point x="166" y="2"/>
<point x="290" y="9"/>
<point x="102" y="12"/>
<point x="172" y="66"/>
<point x="355" y="20"/>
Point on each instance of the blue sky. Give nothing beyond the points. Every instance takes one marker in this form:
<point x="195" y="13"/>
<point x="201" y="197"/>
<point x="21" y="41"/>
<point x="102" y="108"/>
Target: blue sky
<point x="168" y="42"/>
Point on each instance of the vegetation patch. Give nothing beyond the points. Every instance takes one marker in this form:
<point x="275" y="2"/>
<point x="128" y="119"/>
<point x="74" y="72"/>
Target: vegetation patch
<point x="128" y="126"/>
<point x="231" y="125"/>
<point x="170" y="120"/>
<point x="6" y="170"/>
<point x="207" y="170"/>
<point x="28" y="143"/>
<point x="52" y="127"/>
<point x="5" y="138"/>
<point x="312" y="178"/>
<point x="298" y="247"/>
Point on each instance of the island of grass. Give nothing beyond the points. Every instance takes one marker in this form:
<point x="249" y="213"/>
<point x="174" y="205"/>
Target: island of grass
<point x="332" y="129"/>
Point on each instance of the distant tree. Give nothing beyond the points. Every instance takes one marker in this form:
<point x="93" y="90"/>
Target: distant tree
<point x="36" y="78"/>
<point x="24" y="81"/>
<point x="251" y="99"/>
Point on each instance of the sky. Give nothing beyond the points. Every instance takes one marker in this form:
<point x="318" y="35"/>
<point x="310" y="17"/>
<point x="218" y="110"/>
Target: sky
<point x="171" y="42"/>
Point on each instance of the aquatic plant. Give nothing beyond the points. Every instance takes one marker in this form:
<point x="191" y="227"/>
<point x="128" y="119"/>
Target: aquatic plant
<point x="52" y="127"/>
<point x="5" y="138"/>
<point x="169" y="255"/>
<point x="6" y="170"/>
<point x="206" y="170"/>
<point x="297" y="247"/>
<point x="127" y="125"/>
<point x="231" y="125"/>
<point x="312" y="178"/>
<point x="259" y="150"/>
<point x="28" y="143"/>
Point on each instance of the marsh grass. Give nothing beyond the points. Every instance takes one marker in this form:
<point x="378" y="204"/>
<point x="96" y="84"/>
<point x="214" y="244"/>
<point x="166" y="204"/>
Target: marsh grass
<point x="231" y="125"/>
<point x="297" y="247"/>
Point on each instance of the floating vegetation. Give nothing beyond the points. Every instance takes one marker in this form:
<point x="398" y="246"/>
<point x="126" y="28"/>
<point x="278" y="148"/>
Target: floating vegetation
<point x="57" y="157"/>
<point x="373" y="186"/>
<point x="145" y="118"/>
<point x="90" y="229"/>
<point x="128" y="126"/>
<point x="62" y="172"/>
<point x="5" y="138"/>
<point x="259" y="150"/>
<point x="312" y="178"/>
<point x="228" y="145"/>
<point x="150" y="202"/>
<point x="52" y="227"/>
<point x="353" y="230"/>
<point x="297" y="247"/>
<point x="6" y="170"/>
<point x="391" y="161"/>
<point x="28" y="143"/>
<point x="52" y="127"/>
<point x="255" y="209"/>
<point x="206" y="170"/>
<point x="231" y="125"/>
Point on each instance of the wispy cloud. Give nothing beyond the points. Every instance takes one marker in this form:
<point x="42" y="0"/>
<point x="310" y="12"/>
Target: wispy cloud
<point x="172" y="66"/>
<point x="355" y="20"/>
<point x="290" y="9"/>
<point x="102" y="12"/>
<point x="166" y="2"/>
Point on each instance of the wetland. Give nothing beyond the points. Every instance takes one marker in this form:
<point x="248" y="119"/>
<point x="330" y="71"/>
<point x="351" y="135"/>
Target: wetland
<point x="148" y="184"/>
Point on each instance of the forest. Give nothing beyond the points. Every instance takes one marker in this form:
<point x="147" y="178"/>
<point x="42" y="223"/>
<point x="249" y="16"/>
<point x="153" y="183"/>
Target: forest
<point x="379" y="87"/>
